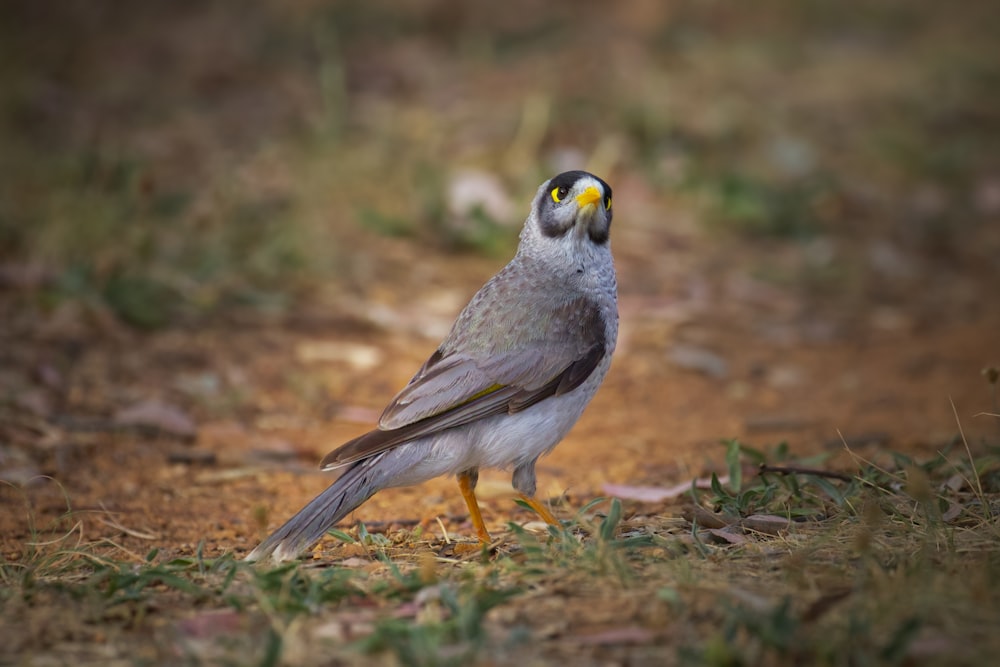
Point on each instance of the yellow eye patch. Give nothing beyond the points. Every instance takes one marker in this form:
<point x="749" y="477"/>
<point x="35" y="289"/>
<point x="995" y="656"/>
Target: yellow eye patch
<point x="558" y="194"/>
<point x="607" y="204"/>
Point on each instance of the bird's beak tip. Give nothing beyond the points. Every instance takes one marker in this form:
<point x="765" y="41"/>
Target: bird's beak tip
<point x="588" y="197"/>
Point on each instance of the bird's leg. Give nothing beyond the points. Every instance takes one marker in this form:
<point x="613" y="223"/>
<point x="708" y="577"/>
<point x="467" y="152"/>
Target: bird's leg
<point x="467" y="483"/>
<point x="541" y="510"/>
<point x="524" y="482"/>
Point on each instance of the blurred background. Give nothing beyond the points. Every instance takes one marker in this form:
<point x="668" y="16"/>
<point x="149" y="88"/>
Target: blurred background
<point x="171" y="160"/>
<point x="244" y="225"/>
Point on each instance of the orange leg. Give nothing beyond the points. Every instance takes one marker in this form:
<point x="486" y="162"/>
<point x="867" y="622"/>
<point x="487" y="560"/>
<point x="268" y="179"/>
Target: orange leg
<point x="541" y="510"/>
<point x="467" y="483"/>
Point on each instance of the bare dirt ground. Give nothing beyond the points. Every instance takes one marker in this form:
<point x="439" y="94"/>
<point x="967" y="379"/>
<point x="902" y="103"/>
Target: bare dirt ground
<point x="296" y="390"/>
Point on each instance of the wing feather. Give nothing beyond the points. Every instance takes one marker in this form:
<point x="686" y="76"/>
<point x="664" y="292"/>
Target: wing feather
<point x="455" y="387"/>
<point x="503" y="399"/>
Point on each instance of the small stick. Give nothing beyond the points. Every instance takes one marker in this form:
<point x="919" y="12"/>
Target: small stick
<point x="796" y="470"/>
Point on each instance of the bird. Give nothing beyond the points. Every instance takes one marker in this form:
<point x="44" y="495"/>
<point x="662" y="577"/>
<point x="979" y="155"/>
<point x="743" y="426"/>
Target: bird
<point x="519" y="365"/>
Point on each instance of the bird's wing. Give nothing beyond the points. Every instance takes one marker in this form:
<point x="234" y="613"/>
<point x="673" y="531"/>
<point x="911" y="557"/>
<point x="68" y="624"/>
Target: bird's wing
<point x="453" y="390"/>
<point x="447" y="382"/>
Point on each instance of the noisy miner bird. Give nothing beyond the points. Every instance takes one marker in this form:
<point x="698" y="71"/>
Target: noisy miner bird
<point x="520" y="364"/>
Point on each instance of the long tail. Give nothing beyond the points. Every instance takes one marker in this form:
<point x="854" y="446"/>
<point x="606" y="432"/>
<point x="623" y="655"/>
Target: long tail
<point x="359" y="483"/>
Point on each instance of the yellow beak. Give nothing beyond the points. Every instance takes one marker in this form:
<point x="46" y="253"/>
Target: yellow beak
<point x="589" y="196"/>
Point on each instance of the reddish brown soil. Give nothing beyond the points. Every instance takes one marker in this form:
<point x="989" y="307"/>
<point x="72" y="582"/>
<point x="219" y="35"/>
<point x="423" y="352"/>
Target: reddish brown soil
<point x="275" y="399"/>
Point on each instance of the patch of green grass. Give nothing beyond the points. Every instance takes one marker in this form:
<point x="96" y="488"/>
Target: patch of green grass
<point x="453" y="635"/>
<point x="752" y="206"/>
<point x="890" y="560"/>
<point x="890" y="563"/>
<point x="590" y="543"/>
<point x="792" y="495"/>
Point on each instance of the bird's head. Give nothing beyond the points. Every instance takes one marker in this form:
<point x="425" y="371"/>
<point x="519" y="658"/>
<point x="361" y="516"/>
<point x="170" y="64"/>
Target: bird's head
<point x="574" y="203"/>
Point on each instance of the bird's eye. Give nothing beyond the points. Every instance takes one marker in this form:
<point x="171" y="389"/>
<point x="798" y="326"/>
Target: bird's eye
<point x="607" y="203"/>
<point x="558" y="194"/>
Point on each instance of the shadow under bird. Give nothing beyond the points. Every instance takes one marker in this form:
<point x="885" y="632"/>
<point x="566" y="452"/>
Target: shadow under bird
<point x="520" y="364"/>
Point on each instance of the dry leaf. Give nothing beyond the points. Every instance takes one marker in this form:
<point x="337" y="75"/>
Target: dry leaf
<point x="158" y="415"/>
<point x="656" y="494"/>
<point x="723" y="535"/>
<point x="766" y="523"/>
